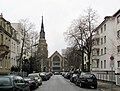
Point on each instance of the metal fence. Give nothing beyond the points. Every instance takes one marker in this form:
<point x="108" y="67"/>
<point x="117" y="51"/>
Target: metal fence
<point x="110" y="77"/>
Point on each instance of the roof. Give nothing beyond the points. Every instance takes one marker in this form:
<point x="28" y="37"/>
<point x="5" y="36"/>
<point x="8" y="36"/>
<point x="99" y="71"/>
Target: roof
<point x="116" y="13"/>
<point x="56" y="52"/>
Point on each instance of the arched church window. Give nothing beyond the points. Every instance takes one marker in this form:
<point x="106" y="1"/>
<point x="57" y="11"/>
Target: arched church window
<point x="56" y="60"/>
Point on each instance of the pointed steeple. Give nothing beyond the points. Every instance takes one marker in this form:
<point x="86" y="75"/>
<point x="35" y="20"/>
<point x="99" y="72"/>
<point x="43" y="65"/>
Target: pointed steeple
<point x="42" y="32"/>
<point x="42" y="26"/>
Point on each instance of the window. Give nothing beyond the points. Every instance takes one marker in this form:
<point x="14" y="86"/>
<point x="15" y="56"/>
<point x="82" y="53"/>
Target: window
<point x="98" y="52"/>
<point x="104" y="39"/>
<point x="101" y="29"/>
<point x="118" y="62"/>
<point x="118" y="19"/>
<point x="104" y="63"/>
<point x="118" y="49"/>
<point x="101" y="64"/>
<point x="6" y="57"/>
<point x="56" y="68"/>
<point x="5" y="81"/>
<point x="105" y="27"/>
<point x="0" y="63"/>
<point x="97" y="41"/>
<point x="1" y="39"/>
<point x="19" y="79"/>
<point x="101" y="40"/>
<point x="1" y="22"/>
<point x="97" y="32"/>
<point x="4" y="25"/>
<point x="95" y="63"/>
<point x="105" y="50"/>
<point x="101" y="51"/>
<point x="56" y="60"/>
<point x="118" y="34"/>
<point x="93" y="52"/>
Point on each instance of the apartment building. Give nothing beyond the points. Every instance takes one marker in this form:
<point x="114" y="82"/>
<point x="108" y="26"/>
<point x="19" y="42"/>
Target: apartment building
<point x="14" y="48"/>
<point x="5" y="44"/>
<point x="106" y="43"/>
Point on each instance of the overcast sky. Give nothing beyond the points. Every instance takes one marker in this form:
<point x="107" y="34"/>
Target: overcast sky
<point x="57" y="14"/>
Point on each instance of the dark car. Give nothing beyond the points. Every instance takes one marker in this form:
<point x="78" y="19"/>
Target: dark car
<point x="86" y="79"/>
<point x="13" y="83"/>
<point x="33" y="84"/>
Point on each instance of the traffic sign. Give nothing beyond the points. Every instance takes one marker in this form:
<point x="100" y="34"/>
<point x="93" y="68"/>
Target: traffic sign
<point x="112" y="58"/>
<point x="112" y="61"/>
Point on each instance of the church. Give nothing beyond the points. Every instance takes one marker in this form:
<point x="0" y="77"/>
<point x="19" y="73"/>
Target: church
<point x="42" y="51"/>
<point x="54" y="63"/>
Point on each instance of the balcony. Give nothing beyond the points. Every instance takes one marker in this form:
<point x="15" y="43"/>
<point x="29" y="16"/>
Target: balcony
<point x="96" y="36"/>
<point x="95" y="57"/>
<point x="4" y="50"/>
<point x="96" y="47"/>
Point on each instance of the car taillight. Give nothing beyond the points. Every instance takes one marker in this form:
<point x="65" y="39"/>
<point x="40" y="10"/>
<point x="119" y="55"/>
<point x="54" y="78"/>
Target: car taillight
<point x="83" y="78"/>
<point x="95" y="79"/>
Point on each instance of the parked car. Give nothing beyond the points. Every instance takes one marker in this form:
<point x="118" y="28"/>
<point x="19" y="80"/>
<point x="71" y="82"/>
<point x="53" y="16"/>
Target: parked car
<point x="33" y="84"/>
<point x="67" y="75"/>
<point x="73" y="77"/>
<point x="37" y="77"/>
<point x="43" y="76"/>
<point x="49" y="74"/>
<point x="56" y="73"/>
<point x="13" y="83"/>
<point x="86" y="79"/>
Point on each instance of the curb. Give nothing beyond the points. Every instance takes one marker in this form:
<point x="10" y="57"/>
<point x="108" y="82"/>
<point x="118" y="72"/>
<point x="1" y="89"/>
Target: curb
<point x="101" y="89"/>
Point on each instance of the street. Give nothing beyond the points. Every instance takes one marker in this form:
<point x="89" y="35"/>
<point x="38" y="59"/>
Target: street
<point x="59" y="83"/>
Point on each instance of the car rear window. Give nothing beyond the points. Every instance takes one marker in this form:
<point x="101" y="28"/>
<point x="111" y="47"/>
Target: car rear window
<point x="32" y="75"/>
<point x="5" y="81"/>
<point x="89" y="75"/>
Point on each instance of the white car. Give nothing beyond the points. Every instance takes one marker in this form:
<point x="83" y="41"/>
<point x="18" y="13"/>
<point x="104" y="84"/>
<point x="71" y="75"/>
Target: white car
<point x="36" y="76"/>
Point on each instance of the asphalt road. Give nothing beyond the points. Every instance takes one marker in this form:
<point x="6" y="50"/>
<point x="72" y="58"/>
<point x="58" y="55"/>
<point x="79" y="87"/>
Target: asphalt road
<point x="59" y="83"/>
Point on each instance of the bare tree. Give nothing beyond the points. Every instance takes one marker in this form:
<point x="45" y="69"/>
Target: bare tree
<point x="34" y="39"/>
<point x="26" y="26"/>
<point x="80" y="33"/>
<point x="72" y="58"/>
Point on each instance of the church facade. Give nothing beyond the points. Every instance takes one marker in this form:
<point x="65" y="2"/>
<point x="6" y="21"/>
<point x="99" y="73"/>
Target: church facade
<point x="56" y="62"/>
<point x="42" y="51"/>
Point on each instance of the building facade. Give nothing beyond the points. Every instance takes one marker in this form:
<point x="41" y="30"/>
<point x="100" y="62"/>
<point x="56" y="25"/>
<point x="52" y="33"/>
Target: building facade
<point x="14" y="48"/>
<point x="42" y="51"/>
<point x="6" y="33"/>
<point x="106" y="44"/>
<point x="56" y="62"/>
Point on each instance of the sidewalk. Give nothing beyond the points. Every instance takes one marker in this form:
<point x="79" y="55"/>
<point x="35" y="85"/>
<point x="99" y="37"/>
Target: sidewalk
<point x="106" y="86"/>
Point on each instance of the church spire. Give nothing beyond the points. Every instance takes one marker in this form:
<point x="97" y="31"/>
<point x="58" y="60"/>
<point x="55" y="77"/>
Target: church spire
<point x="42" y="26"/>
<point x="42" y="32"/>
